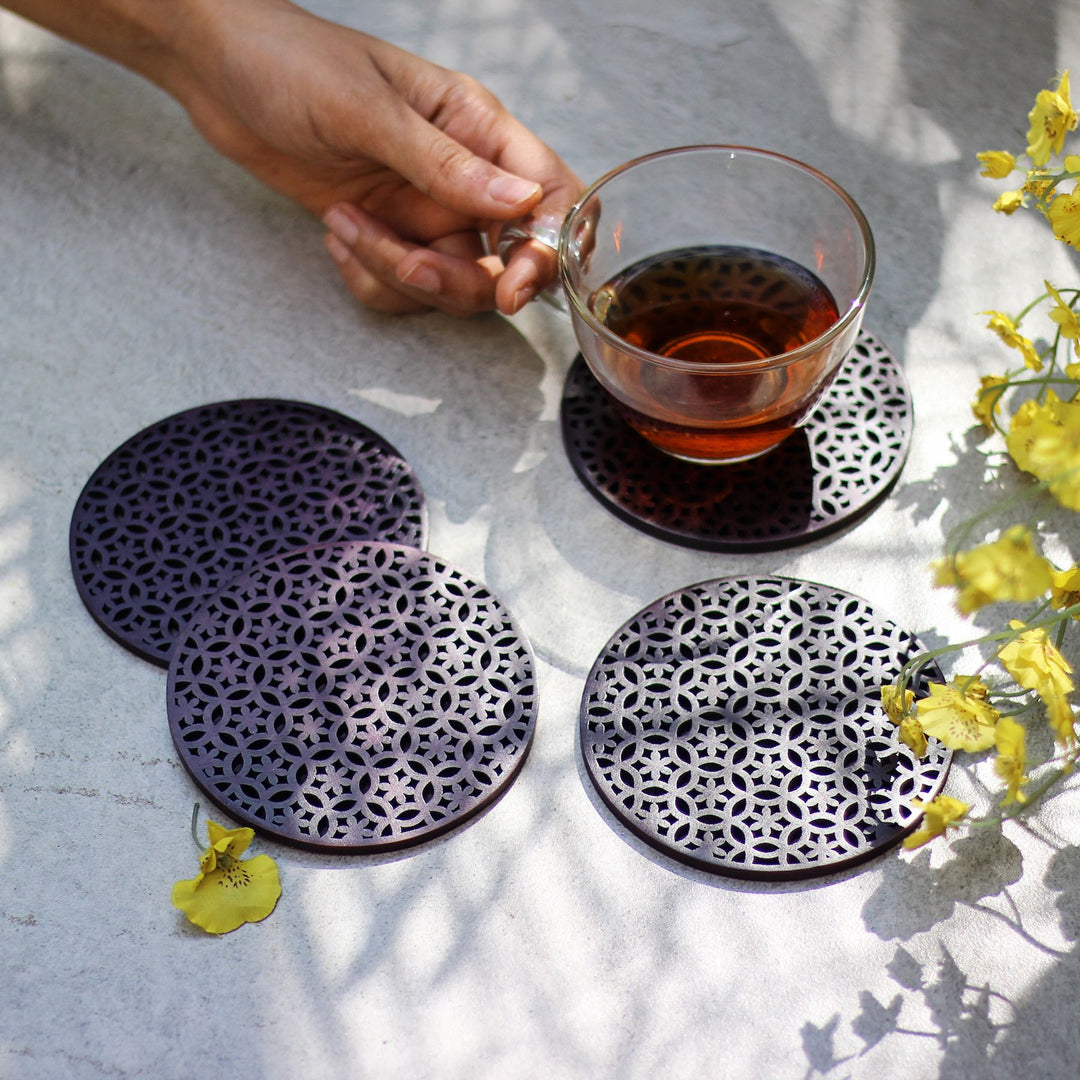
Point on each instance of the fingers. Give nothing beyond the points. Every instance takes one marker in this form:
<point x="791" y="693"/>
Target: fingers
<point x="392" y="275"/>
<point x="465" y="162"/>
<point x="449" y="171"/>
<point x="533" y="266"/>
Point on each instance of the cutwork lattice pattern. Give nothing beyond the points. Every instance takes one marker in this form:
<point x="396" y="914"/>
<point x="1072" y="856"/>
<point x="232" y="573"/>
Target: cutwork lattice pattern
<point x="354" y="697"/>
<point x="828" y="475"/>
<point x="190" y="502"/>
<point x="735" y="726"/>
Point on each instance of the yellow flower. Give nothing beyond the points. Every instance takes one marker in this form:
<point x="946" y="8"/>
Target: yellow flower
<point x="1006" y="329"/>
<point x="1031" y="659"/>
<point x="1008" y="202"/>
<point x="895" y="704"/>
<point x="228" y="891"/>
<point x="996" y="163"/>
<point x="1073" y="371"/>
<point x="1044" y="440"/>
<point x="938" y="815"/>
<point x="1023" y="429"/>
<point x="1059" y="714"/>
<point x="1065" y="588"/>
<point x="1063" y="315"/>
<point x="958" y="714"/>
<point x="1051" y="116"/>
<point x="985" y="405"/>
<point x="913" y="736"/>
<point x="1063" y="213"/>
<point x="897" y="707"/>
<point x="1011" y="758"/>
<point x="1007" y="569"/>
<point x="1037" y="183"/>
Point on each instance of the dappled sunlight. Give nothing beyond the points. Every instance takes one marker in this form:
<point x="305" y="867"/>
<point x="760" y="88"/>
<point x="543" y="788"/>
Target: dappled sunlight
<point x="540" y="937"/>
<point x="839" y="43"/>
<point x="22" y="677"/>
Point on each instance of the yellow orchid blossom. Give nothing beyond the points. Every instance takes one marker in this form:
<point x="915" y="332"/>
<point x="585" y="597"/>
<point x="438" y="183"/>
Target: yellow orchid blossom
<point x="1038" y="183"/>
<point x="1063" y="315"/>
<point x="1063" y="213"/>
<point x="1007" y="569"/>
<point x="1065" y="588"/>
<point x="1044" y="440"/>
<point x="1033" y="661"/>
<point x="938" y="815"/>
<point x="897" y="707"/>
<point x="913" y="736"/>
<point x="1008" y="202"/>
<point x="1007" y="330"/>
<point x="1011" y="760"/>
<point x="1062" y="721"/>
<point x="1050" y="118"/>
<point x="228" y="891"/>
<point x="987" y="401"/>
<point x="996" y="164"/>
<point x="895" y="704"/>
<point x="958" y="714"/>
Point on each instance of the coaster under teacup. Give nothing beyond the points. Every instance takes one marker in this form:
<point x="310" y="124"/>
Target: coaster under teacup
<point x="821" y="479"/>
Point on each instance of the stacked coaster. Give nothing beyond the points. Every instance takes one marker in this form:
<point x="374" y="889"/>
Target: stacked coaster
<point x="330" y="683"/>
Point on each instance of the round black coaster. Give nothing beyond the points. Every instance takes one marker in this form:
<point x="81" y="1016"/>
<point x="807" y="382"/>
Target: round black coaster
<point x="352" y="697"/>
<point x="825" y="476"/>
<point x="186" y="504"/>
<point x="735" y="725"/>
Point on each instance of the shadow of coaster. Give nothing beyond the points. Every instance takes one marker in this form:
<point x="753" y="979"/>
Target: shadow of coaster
<point x="188" y="503"/>
<point x="735" y="725"/>
<point x="826" y="476"/>
<point x="352" y="697"/>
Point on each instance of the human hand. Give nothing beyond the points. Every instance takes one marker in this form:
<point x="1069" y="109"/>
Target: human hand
<point x="407" y="163"/>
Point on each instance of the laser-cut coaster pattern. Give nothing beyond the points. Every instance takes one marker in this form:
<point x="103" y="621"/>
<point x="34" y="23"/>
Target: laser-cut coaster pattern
<point x="828" y="475"/>
<point x="735" y="725"/>
<point x="189" y="502"/>
<point x="352" y="697"/>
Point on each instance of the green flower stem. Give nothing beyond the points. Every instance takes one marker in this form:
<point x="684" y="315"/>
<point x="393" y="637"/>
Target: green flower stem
<point x="955" y="540"/>
<point x="1019" y="809"/>
<point x="916" y="663"/>
<point x="1027" y="310"/>
<point x="195" y="825"/>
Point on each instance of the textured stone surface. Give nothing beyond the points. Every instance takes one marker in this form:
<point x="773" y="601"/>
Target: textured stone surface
<point x="140" y="275"/>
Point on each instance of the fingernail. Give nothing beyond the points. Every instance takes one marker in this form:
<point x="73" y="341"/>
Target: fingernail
<point x="511" y="190"/>
<point x="342" y="226"/>
<point x="338" y="251"/>
<point x="423" y="277"/>
<point x="522" y="297"/>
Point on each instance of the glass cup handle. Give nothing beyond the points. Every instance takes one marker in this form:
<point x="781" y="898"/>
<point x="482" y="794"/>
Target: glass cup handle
<point x="542" y="230"/>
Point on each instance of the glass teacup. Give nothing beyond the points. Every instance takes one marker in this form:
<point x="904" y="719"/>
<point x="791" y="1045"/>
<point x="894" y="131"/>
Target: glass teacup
<point x="714" y="292"/>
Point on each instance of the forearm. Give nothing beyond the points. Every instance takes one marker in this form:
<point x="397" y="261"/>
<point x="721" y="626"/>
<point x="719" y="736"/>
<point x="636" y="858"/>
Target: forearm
<point x="154" y="38"/>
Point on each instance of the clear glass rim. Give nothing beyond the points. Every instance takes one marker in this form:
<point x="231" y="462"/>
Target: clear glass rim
<point x="819" y="343"/>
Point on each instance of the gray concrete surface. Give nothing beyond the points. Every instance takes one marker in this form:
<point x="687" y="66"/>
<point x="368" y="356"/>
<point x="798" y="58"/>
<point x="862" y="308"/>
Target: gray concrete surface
<point x="140" y="274"/>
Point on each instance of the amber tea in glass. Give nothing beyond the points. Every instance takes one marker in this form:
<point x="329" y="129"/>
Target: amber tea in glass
<point x="718" y="305"/>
